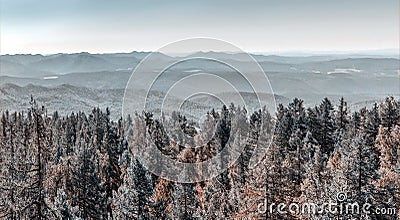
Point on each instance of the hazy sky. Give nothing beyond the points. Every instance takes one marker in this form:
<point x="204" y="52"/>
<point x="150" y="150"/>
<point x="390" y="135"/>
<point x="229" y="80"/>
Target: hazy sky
<point x="52" y="26"/>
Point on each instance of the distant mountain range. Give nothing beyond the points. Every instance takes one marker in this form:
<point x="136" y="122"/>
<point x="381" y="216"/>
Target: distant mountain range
<point x="100" y="79"/>
<point x="37" y="66"/>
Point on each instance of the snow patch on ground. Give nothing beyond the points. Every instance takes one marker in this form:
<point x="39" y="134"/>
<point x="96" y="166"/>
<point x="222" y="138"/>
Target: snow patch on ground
<point x="343" y="70"/>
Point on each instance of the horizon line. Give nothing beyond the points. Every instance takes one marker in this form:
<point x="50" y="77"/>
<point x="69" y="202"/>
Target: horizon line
<point x="378" y="52"/>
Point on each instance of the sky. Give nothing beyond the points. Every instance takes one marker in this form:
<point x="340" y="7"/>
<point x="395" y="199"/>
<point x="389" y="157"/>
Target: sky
<point x="103" y="26"/>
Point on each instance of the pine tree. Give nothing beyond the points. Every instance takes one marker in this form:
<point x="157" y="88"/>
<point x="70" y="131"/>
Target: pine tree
<point x="327" y="126"/>
<point x="134" y="197"/>
<point x="389" y="113"/>
<point x="313" y="184"/>
<point x="88" y="190"/>
<point x="342" y="114"/>
<point x="62" y="206"/>
<point x="388" y="142"/>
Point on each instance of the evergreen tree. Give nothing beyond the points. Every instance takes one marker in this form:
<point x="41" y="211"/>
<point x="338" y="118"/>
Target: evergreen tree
<point x="389" y="113"/>
<point x="342" y="114"/>
<point x="325" y="136"/>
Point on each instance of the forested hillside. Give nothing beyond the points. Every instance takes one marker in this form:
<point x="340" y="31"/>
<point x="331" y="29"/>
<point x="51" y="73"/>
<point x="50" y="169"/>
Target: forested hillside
<point x="83" y="165"/>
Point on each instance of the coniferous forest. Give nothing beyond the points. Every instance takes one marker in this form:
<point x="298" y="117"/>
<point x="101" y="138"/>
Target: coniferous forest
<point x="83" y="166"/>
